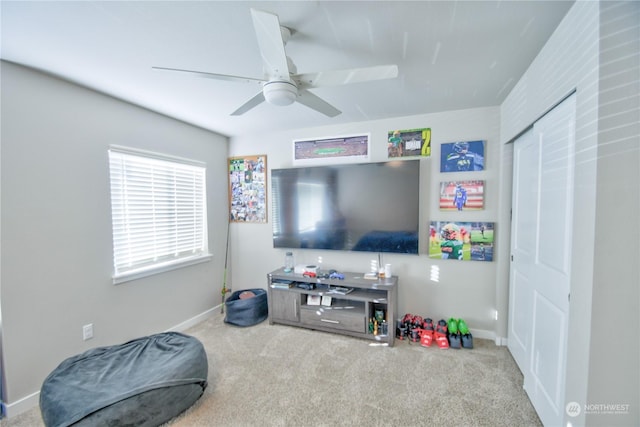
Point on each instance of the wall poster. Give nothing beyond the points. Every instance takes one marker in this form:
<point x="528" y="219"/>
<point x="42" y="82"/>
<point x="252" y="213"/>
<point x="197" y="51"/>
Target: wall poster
<point x="408" y="143"/>
<point x="248" y="189"/>
<point x="342" y="149"/>
<point x="463" y="241"/>
<point x="462" y="156"/>
<point x="462" y="195"/>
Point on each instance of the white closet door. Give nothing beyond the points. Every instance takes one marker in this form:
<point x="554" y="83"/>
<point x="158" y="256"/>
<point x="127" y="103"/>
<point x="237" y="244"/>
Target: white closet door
<point x="540" y="275"/>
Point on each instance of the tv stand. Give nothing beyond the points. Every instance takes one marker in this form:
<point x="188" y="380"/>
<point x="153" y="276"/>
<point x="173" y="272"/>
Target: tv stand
<point x="366" y="309"/>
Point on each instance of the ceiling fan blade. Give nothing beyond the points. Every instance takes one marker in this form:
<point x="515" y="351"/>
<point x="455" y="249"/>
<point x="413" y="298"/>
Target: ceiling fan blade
<point x="316" y="103"/>
<point x="343" y="77"/>
<point x="274" y="57"/>
<point x="211" y="75"/>
<point x="253" y="102"/>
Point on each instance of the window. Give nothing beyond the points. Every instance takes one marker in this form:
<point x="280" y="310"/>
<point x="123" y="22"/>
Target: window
<point x="159" y="213"/>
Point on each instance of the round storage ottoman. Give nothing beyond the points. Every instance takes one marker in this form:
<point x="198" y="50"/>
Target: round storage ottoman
<point x="243" y="311"/>
<point x="144" y="382"/>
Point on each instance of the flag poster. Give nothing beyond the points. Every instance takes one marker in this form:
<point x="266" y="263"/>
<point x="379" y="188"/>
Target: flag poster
<point x="462" y="195"/>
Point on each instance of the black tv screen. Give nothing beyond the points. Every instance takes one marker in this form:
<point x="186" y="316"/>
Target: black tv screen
<point x="371" y="207"/>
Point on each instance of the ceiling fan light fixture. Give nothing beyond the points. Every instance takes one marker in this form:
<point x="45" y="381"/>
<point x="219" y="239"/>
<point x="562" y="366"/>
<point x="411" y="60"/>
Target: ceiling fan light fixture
<point x="280" y="93"/>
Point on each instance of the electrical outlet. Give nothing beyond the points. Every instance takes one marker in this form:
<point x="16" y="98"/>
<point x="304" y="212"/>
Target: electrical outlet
<point x="87" y="331"/>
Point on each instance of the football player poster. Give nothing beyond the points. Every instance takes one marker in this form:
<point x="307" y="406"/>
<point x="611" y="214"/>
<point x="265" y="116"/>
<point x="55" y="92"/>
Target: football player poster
<point x="462" y="195"/>
<point x="408" y="143"/>
<point x="462" y="241"/>
<point x="463" y="156"/>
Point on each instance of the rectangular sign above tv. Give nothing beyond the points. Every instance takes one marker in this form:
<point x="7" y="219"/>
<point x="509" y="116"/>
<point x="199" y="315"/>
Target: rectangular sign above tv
<point x="339" y="149"/>
<point x="370" y="207"/>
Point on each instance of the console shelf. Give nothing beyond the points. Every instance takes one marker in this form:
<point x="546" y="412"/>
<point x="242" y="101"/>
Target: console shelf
<point x="291" y="302"/>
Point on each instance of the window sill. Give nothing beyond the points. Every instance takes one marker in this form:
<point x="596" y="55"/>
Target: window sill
<point x="157" y="269"/>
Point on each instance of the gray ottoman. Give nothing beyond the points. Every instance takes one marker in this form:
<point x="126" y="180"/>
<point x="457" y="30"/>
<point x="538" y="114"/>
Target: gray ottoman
<point x="144" y="382"/>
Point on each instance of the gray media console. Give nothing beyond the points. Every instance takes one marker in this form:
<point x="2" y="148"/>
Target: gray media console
<point x="353" y="306"/>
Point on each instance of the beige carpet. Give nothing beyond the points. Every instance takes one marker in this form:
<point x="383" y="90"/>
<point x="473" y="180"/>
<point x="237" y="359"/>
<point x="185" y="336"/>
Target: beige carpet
<point x="283" y="376"/>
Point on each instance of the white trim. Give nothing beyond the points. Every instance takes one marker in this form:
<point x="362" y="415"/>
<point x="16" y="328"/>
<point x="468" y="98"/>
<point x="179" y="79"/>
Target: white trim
<point x="502" y="341"/>
<point x="156" y="269"/>
<point x="181" y="327"/>
<point x="484" y="334"/>
<point x="21" y="406"/>
<point x="157" y="156"/>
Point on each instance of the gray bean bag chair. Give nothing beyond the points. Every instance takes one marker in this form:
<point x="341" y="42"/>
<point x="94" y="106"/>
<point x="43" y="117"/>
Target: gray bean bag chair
<point x="144" y="382"/>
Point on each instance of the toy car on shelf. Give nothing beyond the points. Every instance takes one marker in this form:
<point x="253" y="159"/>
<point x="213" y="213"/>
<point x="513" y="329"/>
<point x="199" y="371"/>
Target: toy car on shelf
<point x="336" y="275"/>
<point x="309" y="274"/>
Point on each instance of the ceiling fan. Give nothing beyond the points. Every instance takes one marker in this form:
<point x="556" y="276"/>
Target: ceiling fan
<point x="282" y="85"/>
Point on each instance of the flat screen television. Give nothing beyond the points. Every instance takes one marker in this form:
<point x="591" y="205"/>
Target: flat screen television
<point x="372" y="207"/>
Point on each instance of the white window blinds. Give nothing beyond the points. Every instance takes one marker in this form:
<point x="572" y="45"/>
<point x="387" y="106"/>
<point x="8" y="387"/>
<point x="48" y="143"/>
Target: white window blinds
<point x="159" y="213"/>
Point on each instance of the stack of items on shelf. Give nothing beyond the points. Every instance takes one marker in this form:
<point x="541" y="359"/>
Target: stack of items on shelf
<point x="378" y="324"/>
<point x="452" y="334"/>
<point x="282" y="284"/>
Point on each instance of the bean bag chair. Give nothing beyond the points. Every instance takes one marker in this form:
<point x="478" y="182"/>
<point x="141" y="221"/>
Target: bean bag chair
<point x="144" y="382"/>
<point x="244" y="309"/>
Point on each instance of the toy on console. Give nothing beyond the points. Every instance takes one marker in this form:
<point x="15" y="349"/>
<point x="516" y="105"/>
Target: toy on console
<point x="336" y="275"/>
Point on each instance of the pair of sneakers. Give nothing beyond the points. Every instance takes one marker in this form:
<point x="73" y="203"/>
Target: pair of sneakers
<point x="437" y="333"/>
<point x="459" y="335"/>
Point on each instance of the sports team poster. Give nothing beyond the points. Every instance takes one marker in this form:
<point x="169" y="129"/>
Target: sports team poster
<point x="462" y="195"/>
<point x="408" y="143"/>
<point x="463" y="156"/>
<point x="462" y="241"/>
<point x="352" y="148"/>
<point x="247" y="189"/>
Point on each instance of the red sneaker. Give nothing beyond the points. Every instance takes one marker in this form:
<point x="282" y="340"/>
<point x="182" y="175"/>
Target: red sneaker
<point x="417" y="321"/>
<point x="442" y="341"/>
<point x="440" y="334"/>
<point x="426" y="338"/>
<point x="406" y="320"/>
<point x="441" y="328"/>
<point x="427" y="324"/>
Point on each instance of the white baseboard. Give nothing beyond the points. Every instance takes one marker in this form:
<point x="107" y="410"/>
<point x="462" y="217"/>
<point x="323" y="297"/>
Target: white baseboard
<point x="181" y="327"/>
<point x="22" y="405"/>
<point x="488" y="335"/>
<point x="501" y="341"/>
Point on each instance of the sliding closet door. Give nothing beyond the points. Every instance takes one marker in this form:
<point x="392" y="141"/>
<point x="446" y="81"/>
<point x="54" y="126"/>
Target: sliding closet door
<point x="541" y="254"/>
<point x="523" y="245"/>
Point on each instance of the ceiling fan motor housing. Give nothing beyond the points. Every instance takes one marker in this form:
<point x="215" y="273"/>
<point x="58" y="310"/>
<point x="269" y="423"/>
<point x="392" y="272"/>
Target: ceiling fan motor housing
<point x="280" y="92"/>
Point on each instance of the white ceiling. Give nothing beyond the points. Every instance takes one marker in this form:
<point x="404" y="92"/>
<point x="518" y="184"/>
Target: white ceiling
<point x="450" y="54"/>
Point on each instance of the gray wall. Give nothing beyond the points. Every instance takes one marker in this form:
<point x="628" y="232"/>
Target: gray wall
<point x="595" y="51"/>
<point x="56" y="227"/>
<point x="465" y="290"/>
